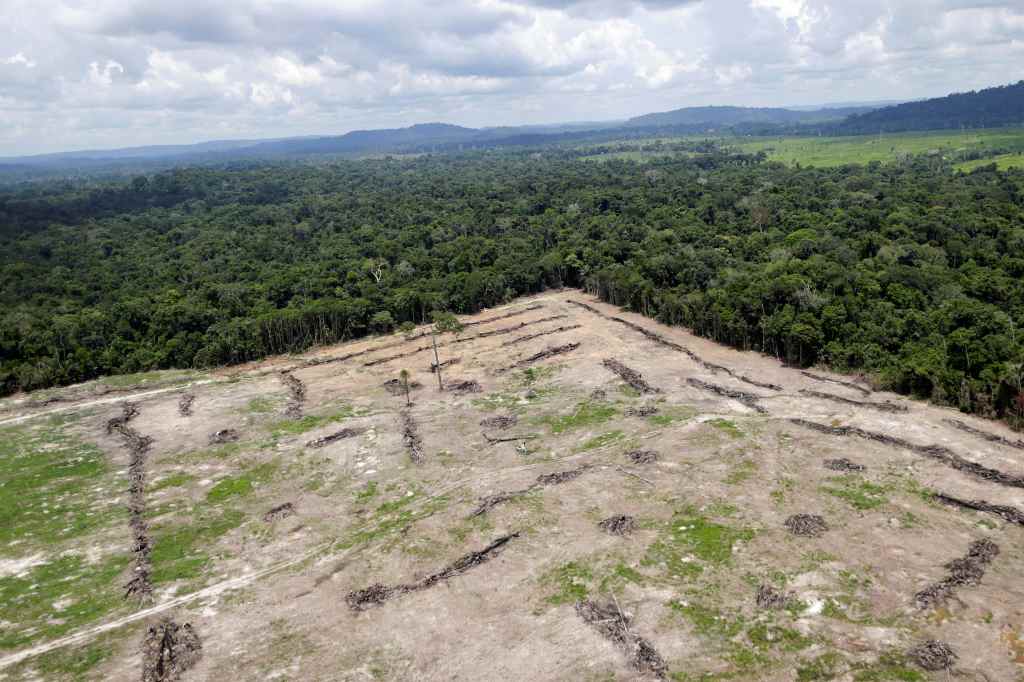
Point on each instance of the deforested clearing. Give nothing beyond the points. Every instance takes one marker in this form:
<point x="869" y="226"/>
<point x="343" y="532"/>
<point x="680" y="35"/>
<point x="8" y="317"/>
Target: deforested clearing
<point x="619" y="510"/>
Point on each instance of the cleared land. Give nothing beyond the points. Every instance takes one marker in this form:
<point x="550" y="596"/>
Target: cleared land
<point x="603" y="533"/>
<point x="837" y="151"/>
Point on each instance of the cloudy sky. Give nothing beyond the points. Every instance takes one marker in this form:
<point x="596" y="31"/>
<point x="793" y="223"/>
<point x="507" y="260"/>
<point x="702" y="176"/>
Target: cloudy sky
<point x="109" y="73"/>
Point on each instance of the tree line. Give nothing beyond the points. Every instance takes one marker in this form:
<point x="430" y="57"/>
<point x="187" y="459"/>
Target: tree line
<point x="910" y="274"/>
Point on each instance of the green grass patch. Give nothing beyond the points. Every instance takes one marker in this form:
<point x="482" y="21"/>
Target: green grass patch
<point x="263" y="404"/>
<point x="243" y="484"/>
<point x="86" y="592"/>
<point x="512" y="402"/>
<point x="670" y="415"/>
<point x="706" y="621"/>
<point x="690" y="538"/>
<point x="726" y="426"/>
<point x="1002" y="161"/>
<point x="863" y="149"/>
<point x="891" y="667"/>
<point x="533" y="375"/>
<point x="294" y="427"/>
<point x="824" y="667"/>
<point x="570" y="582"/>
<point x="175" y="480"/>
<point x="857" y="492"/>
<point x="72" y="663"/>
<point x="603" y="440"/>
<point x="771" y="636"/>
<point x="587" y="413"/>
<point x="367" y="493"/>
<point x="743" y="471"/>
<point x="48" y="486"/>
<point x="392" y="518"/>
<point x="179" y="551"/>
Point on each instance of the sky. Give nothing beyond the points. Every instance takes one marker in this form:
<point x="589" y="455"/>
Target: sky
<point x="116" y="73"/>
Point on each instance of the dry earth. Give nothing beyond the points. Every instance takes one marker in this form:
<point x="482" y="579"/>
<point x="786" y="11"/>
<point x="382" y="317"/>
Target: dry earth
<point x="487" y="567"/>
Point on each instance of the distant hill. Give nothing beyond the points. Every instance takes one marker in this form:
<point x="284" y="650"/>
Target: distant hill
<point x="731" y="116"/>
<point x="990" y="108"/>
<point x="367" y="141"/>
<point x="1001" y="106"/>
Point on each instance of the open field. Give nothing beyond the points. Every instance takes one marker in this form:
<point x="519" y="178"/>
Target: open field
<point x="837" y="151"/>
<point x="1002" y="161"/>
<point x="595" y="497"/>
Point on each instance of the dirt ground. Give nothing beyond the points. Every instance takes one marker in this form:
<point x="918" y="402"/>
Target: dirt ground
<point x="269" y="589"/>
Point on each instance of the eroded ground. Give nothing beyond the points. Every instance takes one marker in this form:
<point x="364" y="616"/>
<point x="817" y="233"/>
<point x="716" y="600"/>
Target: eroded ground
<point x="309" y="526"/>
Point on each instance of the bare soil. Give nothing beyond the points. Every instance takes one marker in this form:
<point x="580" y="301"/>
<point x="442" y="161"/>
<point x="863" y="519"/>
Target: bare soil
<point x="396" y="505"/>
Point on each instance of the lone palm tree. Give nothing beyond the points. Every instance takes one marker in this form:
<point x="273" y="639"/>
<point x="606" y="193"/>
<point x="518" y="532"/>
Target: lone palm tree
<point x="443" y="323"/>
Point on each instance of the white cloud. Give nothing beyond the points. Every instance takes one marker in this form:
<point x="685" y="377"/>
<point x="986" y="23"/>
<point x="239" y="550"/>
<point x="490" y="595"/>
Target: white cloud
<point x="20" y="58"/>
<point x="104" y="76"/>
<point x="248" y="68"/>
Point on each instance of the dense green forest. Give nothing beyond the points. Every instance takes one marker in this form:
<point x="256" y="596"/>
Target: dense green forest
<point x="911" y="273"/>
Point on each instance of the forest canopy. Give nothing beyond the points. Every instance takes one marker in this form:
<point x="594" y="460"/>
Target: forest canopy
<point x="910" y="273"/>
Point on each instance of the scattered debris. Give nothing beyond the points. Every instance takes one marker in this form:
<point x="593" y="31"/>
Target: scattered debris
<point x="936" y="452"/>
<point x="169" y="650"/>
<point x="753" y="382"/>
<point x="657" y="338"/>
<point x="881" y="407"/>
<point x="806" y="525"/>
<point x="313" y="362"/>
<point x="609" y="620"/>
<point x="843" y="464"/>
<point x="855" y="387"/>
<point x="411" y="437"/>
<point x="461" y="339"/>
<point x="627" y="472"/>
<point x="185" y="404"/>
<point x="514" y="313"/>
<point x="990" y="437"/>
<point x="389" y="358"/>
<point x="463" y="386"/>
<point x="748" y="399"/>
<point x="340" y="435"/>
<point x="499" y="422"/>
<point x="1011" y="514"/>
<point x="642" y="411"/>
<point x="933" y="655"/>
<point x="128" y="412"/>
<point x="630" y="376"/>
<point x="598" y="394"/>
<point x="563" y="476"/>
<point x="968" y="570"/>
<point x="491" y="501"/>
<point x="770" y="598"/>
<point x="297" y="391"/>
<point x="536" y="357"/>
<point x="360" y="600"/>
<point x="224" y="436"/>
<point x="446" y="363"/>
<point x="508" y="330"/>
<point x="503" y="439"/>
<point x="281" y="511"/>
<point x="140" y="585"/>
<point x="530" y="337"/>
<point x="643" y="456"/>
<point x="621" y="524"/>
<point x="396" y="388"/>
